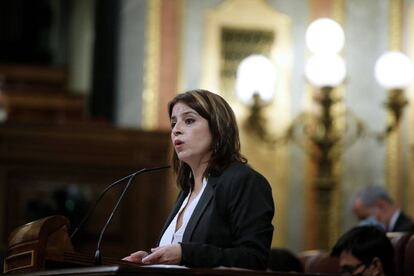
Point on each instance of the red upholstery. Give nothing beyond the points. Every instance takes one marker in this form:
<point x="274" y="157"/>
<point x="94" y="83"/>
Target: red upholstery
<point x="399" y="241"/>
<point x="316" y="261"/>
<point x="306" y="256"/>
<point x="408" y="268"/>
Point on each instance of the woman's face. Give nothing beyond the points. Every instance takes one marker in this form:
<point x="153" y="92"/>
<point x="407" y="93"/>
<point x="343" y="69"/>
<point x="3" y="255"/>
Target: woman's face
<point x="190" y="135"/>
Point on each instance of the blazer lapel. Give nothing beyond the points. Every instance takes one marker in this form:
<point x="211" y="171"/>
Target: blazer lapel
<point x="177" y="207"/>
<point x="200" y="208"/>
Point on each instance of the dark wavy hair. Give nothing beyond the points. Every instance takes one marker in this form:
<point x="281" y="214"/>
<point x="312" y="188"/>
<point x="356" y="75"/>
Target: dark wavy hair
<point x="365" y="243"/>
<point x="225" y="147"/>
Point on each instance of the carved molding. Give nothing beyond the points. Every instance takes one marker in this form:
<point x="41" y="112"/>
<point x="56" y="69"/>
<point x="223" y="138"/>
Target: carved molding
<point x="151" y="66"/>
<point x="259" y="18"/>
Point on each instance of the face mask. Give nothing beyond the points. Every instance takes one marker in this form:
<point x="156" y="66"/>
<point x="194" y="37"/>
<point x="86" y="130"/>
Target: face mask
<point x="372" y="220"/>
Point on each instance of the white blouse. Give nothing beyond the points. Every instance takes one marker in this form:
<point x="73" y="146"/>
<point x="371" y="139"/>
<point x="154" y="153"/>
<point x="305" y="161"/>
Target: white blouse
<point x="171" y="236"/>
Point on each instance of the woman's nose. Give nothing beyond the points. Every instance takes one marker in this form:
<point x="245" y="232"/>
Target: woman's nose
<point x="176" y="130"/>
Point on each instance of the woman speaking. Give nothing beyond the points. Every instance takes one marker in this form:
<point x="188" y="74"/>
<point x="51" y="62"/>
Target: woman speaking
<point x="223" y="214"/>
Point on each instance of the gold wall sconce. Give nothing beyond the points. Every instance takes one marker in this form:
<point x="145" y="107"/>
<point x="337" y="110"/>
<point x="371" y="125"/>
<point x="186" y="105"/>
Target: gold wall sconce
<point x="324" y="134"/>
<point x="394" y="71"/>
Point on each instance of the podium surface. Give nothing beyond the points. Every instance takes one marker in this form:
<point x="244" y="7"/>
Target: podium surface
<point x="43" y="247"/>
<point x="163" y="270"/>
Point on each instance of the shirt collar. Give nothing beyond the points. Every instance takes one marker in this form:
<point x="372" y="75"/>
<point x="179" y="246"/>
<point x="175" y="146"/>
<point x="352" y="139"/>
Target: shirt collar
<point x="393" y="220"/>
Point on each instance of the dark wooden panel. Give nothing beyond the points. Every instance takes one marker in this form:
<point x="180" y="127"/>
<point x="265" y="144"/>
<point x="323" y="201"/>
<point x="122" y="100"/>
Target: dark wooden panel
<point x="39" y="93"/>
<point x="35" y="77"/>
<point x="61" y="169"/>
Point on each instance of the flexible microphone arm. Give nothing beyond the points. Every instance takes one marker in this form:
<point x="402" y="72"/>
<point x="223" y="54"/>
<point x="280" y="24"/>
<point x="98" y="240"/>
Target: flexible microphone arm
<point x="98" y="255"/>
<point x="90" y="211"/>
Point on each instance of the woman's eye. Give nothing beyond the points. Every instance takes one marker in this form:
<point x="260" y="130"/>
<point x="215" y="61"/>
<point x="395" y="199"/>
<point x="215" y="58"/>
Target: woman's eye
<point x="189" y="121"/>
<point x="173" y="124"/>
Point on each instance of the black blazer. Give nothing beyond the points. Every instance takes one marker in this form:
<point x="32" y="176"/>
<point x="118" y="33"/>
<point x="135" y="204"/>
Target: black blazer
<point x="403" y="224"/>
<point x="232" y="223"/>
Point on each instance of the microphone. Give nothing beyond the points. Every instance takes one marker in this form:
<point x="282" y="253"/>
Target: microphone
<point x="92" y="209"/>
<point x="98" y="255"/>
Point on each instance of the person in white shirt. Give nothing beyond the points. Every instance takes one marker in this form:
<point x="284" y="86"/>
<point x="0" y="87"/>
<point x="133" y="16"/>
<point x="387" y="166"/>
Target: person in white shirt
<point x="223" y="215"/>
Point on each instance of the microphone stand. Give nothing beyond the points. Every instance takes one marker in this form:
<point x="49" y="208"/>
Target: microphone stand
<point x="90" y="211"/>
<point x="98" y="255"/>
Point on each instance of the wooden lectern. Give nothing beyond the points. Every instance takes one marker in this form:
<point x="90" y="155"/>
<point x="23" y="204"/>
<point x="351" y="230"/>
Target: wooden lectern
<point x="30" y="245"/>
<point x="45" y="244"/>
<point x="43" y="247"/>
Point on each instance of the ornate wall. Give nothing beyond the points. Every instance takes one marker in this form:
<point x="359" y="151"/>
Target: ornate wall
<point x="181" y="51"/>
<point x="167" y="46"/>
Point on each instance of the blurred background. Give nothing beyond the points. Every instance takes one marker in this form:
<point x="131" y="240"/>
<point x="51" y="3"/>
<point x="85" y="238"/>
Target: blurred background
<point x="322" y="110"/>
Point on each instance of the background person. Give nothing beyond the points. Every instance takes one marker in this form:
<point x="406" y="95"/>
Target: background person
<point x="365" y="251"/>
<point x="223" y="215"/>
<point x="373" y="205"/>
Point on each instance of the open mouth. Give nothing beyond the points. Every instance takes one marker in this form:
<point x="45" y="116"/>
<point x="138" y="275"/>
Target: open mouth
<point x="178" y="142"/>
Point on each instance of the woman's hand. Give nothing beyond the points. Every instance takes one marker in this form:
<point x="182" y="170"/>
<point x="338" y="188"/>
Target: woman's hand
<point x="169" y="254"/>
<point x="136" y="257"/>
